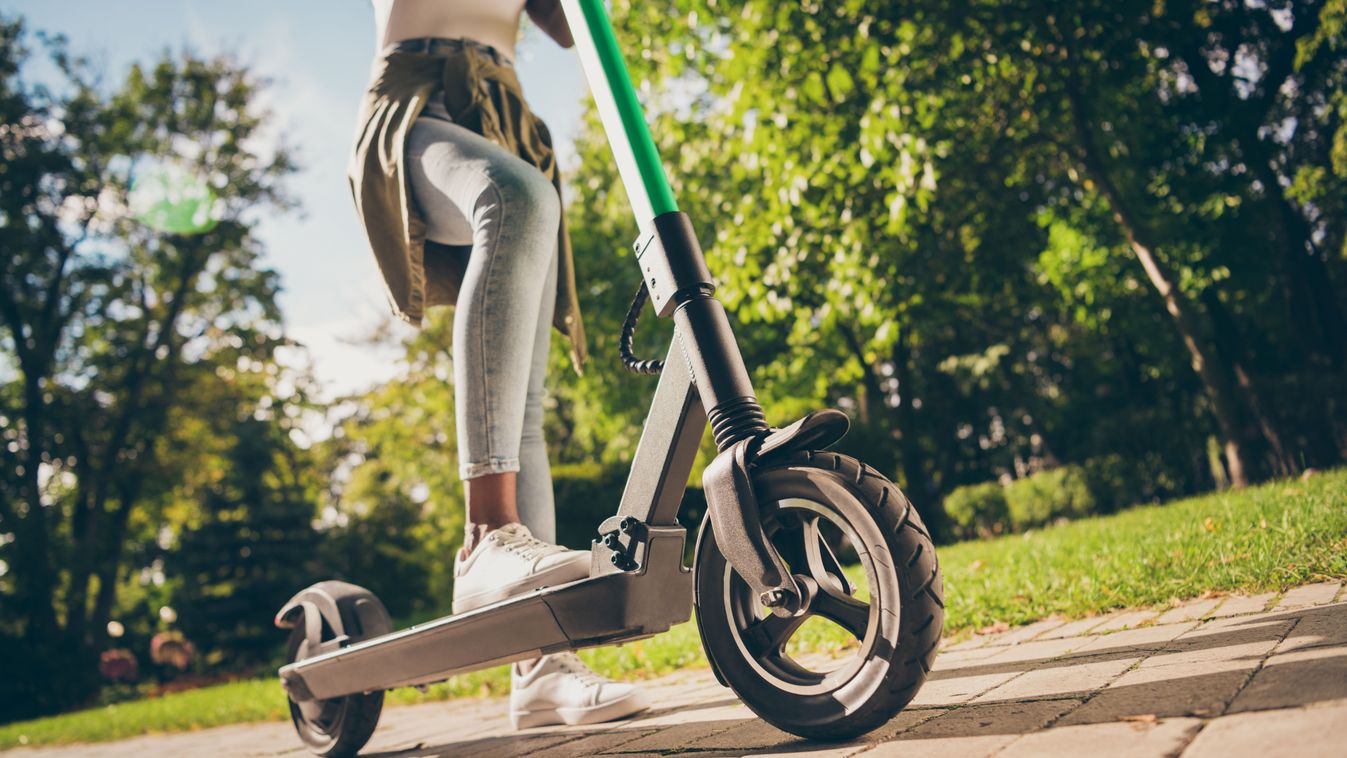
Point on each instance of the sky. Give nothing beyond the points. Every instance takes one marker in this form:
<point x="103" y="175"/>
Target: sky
<point x="318" y="54"/>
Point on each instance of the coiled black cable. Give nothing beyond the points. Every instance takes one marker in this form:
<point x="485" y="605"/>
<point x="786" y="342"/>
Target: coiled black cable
<point x="630" y="361"/>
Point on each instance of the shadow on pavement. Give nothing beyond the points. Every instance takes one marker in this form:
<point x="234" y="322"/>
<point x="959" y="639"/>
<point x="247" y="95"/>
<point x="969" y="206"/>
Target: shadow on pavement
<point x="1217" y="668"/>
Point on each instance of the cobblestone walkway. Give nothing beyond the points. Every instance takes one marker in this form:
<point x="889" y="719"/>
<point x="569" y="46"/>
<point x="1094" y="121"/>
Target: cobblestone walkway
<point x="1259" y="676"/>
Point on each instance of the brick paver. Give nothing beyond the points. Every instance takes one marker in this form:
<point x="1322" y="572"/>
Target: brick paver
<point x="1300" y="677"/>
<point x="1309" y="594"/>
<point x="1125" y="621"/>
<point x="1073" y="628"/>
<point x="1317" y="627"/>
<point x="1120" y="739"/>
<point x="1029" y="631"/>
<point x="1238" y="605"/>
<point x="1259" y="676"/>
<point x="1197" y="609"/>
<point x="1280" y="733"/>
<point x="1152" y="637"/>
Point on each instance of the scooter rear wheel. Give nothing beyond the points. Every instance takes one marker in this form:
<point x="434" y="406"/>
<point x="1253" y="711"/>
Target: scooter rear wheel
<point x="822" y="510"/>
<point x="338" y="727"/>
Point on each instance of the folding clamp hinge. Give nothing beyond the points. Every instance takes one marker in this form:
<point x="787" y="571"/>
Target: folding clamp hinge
<point x="612" y="536"/>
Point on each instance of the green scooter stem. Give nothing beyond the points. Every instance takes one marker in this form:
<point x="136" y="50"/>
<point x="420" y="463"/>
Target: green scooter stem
<point x="623" y="119"/>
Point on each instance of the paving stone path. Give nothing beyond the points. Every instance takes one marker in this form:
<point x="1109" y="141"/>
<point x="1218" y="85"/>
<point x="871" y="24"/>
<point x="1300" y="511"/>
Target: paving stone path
<point x="1262" y="675"/>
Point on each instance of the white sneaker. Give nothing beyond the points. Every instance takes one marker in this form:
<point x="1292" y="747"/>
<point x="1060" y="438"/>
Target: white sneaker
<point x="511" y="561"/>
<point x="560" y="689"/>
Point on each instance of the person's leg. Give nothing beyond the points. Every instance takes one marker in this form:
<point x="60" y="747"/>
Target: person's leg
<point x="468" y="185"/>
<point x="490" y="502"/>
<point x="471" y="190"/>
<point x="535" y="497"/>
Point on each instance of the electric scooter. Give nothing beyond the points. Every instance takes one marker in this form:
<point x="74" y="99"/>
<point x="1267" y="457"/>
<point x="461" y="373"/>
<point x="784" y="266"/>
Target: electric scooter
<point x="784" y="516"/>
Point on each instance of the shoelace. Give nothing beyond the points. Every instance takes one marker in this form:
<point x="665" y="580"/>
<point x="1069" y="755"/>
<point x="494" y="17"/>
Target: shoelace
<point x="571" y="664"/>
<point x="524" y="544"/>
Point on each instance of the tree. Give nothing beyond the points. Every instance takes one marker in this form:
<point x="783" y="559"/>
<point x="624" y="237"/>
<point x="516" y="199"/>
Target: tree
<point x="250" y="549"/>
<point x="1004" y="238"/>
<point x="1255" y="68"/>
<point x="104" y="316"/>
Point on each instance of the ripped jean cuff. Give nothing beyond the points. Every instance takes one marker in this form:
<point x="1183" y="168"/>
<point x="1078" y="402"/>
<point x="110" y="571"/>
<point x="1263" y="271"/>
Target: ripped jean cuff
<point x="470" y="470"/>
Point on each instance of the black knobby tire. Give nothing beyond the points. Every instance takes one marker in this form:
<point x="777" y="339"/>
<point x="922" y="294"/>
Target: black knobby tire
<point x="344" y="725"/>
<point x="902" y="632"/>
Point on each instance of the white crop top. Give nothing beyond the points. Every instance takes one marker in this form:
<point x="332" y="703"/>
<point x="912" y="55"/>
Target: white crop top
<point x="493" y="22"/>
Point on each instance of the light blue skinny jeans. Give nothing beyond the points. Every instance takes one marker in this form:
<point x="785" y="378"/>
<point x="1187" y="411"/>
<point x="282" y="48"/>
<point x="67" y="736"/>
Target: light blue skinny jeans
<point x="473" y="192"/>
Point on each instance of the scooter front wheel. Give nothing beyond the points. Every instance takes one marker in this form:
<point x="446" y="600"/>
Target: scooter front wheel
<point x="823" y="511"/>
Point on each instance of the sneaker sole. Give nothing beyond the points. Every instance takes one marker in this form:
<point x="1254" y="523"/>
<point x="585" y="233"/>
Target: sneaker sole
<point x="633" y="703"/>
<point x="560" y="574"/>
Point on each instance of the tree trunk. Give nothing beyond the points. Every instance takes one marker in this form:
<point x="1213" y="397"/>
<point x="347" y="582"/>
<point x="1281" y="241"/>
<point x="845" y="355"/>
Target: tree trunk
<point x="1230" y="342"/>
<point x="931" y="507"/>
<point x="110" y="563"/>
<point x="871" y="391"/>
<point x="1216" y="375"/>
<point x="33" y="571"/>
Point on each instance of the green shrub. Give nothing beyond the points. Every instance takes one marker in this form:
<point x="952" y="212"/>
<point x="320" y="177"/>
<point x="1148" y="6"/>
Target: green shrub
<point x="586" y="494"/>
<point x="978" y="510"/>
<point x="1046" y="496"/>
<point x="1113" y="482"/>
<point x="1119" y="482"/>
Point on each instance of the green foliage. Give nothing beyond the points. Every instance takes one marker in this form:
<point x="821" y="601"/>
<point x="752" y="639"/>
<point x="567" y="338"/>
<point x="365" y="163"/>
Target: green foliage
<point x="1046" y="496"/>
<point x="1096" y="486"/>
<point x="586" y="494"/>
<point x="978" y="510"/>
<point x="1117" y="483"/>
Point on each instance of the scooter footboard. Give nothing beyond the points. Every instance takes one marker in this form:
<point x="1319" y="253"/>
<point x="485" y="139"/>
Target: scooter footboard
<point x="593" y="611"/>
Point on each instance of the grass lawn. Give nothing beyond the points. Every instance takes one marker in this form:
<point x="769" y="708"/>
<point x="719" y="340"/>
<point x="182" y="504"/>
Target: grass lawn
<point x="1265" y="538"/>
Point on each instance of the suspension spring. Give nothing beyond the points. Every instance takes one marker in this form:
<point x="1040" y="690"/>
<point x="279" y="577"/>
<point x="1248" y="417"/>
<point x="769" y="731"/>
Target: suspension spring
<point x="737" y="419"/>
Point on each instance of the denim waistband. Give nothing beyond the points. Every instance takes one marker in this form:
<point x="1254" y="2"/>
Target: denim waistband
<point x="431" y="44"/>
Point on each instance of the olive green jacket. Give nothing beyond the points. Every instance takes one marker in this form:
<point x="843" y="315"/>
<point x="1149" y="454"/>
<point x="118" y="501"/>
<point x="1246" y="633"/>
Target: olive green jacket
<point x="484" y="96"/>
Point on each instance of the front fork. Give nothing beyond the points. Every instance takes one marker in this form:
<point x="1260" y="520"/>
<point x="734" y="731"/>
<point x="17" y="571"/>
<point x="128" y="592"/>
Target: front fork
<point x="674" y="271"/>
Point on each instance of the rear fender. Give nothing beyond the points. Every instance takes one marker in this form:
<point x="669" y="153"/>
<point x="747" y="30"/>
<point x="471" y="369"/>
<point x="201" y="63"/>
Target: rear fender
<point x="351" y="613"/>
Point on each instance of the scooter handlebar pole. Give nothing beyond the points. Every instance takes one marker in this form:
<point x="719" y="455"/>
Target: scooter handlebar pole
<point x="667" y="252"/>
<point x="623" y="119"/>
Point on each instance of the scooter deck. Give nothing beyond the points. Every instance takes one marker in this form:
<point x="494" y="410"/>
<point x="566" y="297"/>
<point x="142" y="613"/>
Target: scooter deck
<point x="598" y="610"/>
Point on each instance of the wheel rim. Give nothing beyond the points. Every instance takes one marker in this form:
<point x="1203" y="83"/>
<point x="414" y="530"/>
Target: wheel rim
<point x="321" y="718"/>
<point x="808" y="536"/>
<point x="318" y="722"/>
